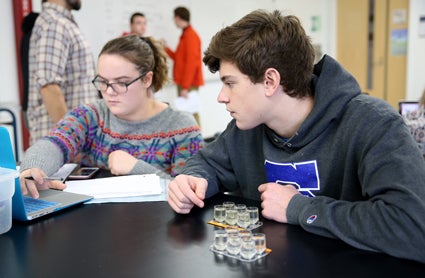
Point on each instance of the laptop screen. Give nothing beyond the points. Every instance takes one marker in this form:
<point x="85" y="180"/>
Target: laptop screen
<point x="406" y="106"/>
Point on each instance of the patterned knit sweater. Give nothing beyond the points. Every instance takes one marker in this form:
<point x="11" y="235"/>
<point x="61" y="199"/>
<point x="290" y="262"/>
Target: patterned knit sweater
<point x="161" y="143"/>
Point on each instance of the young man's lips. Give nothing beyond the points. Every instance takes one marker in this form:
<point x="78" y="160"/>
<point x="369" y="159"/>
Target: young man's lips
<point x="231" y="112"/>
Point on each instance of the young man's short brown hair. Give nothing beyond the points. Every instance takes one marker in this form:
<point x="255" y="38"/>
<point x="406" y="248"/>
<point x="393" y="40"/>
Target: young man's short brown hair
<point x="262" y="40"/>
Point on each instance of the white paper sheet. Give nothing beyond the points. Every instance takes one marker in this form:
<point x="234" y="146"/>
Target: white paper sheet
<point x="136" y="199"/>
<point x="117" y="187"/>
<point x="190" y="104"/>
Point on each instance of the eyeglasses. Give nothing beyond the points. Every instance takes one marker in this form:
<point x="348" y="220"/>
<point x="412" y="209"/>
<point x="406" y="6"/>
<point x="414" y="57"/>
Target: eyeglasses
<point x="118" y="87"/>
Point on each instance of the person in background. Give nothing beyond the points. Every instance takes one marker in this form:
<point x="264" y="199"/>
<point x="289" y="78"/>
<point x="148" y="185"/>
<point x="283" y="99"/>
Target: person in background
<point x="415" y="121"/>
<point x="127" y="131"/>
<point x="60" y="67"/>
<point x="137" y="24"/>
<point x="26" y="27"/>
<point x="307" y="143"/>
<point x="187" y="71"/>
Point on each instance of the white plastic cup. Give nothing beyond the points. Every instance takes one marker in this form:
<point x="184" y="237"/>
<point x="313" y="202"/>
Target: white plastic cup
<point x="7" y="188"/>
<point x="231" y="216"/>
<point x="253" y="215"/>
<point x="233" y="245"/>
<point x="240" y="207"/>
<point x="229" y="205"/>
<point x="243" y="219"/>
<point x="260" y="242"/>
<point x="220" y="240"/>
<point x="219" y="213"/>
<point x="248" y="250"/>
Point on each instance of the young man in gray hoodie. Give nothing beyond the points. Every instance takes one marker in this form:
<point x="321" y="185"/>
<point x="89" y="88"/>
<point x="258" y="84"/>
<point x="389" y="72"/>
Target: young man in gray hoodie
<point x="306" y="142"/>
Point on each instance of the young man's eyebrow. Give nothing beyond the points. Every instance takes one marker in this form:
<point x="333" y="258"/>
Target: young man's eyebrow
<point x="225" y="78"/>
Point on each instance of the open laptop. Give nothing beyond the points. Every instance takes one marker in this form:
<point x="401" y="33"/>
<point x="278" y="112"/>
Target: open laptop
<point x="405" y="106"/>
<point x="26" y="208"/>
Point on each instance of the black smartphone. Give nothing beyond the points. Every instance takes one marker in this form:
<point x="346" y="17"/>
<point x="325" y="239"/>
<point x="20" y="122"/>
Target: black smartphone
<point x="83" y="173"/>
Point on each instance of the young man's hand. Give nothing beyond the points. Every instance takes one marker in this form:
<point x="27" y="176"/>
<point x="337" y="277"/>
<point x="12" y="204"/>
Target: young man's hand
<point x="275" y="199"/>
<point x="186" y="191"/>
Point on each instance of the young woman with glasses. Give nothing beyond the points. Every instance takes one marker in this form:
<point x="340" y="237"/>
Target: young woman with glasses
<point x="128" y="131"/>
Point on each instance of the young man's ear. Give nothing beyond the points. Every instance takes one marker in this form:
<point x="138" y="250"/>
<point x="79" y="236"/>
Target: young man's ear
<point x="271" y="81"/>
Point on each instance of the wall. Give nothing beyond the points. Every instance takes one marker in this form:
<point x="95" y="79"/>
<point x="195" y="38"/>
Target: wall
<point x="318" y="18"/>
<point x="416" y="53"/>
<point x="9" y="96"/>
<point x="101" y="20"/>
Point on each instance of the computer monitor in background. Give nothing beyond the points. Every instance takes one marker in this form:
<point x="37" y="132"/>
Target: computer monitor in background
<point x="405" y="106"/>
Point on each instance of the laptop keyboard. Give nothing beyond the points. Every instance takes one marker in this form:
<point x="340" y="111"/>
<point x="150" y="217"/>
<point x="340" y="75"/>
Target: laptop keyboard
<point x="32" y="204"/>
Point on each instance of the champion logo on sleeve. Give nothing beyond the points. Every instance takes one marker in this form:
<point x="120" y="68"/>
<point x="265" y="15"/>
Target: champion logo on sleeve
<point x="311" y="219"/>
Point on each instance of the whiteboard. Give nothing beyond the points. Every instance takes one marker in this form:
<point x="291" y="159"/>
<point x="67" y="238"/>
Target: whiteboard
<point x="102" y="20"/>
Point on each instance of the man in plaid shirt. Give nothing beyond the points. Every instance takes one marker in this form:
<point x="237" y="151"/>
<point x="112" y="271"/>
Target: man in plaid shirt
<point x="61" y="66"/>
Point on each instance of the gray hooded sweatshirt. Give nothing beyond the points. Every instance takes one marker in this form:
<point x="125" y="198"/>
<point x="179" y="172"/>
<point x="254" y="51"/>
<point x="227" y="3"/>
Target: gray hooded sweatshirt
<point x="361" y="175"/>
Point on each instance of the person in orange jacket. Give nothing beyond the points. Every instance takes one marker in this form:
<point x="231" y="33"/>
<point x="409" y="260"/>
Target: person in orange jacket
<point x="187" y="71"/>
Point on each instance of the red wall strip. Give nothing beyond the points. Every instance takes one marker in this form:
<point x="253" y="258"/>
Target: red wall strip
<point x="20" y="9"/>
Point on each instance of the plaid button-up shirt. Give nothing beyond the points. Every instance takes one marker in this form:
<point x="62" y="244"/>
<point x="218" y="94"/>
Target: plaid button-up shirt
<point x="60" y="55"/>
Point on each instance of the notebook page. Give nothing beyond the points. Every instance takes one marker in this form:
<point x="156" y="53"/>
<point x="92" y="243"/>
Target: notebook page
<point x="116" y="187"/>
